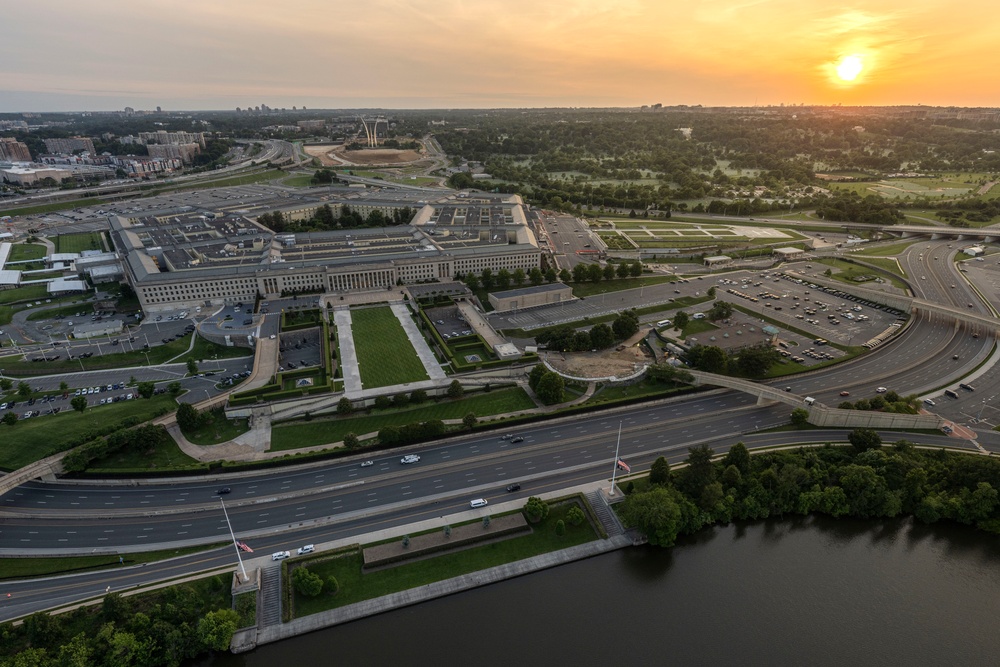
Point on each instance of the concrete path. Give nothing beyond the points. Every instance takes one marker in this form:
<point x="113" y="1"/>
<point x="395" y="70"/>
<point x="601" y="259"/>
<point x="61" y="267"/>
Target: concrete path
<point x="348" y="354"/>
<point x="424" y="352"/>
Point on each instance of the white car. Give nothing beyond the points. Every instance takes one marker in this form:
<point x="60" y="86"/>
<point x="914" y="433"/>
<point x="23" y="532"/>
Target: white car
<point x="280" y="555"/>
<point x="881" y="390"/>
<point x="478" y="502"/>
<point x="410" y="458"/>
<point x="307" y="549"/>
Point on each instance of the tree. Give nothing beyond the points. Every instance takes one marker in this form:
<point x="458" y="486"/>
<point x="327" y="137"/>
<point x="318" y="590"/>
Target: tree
<point x="710" y="358"/>
<point x="216" y="628"/>
<point x="79" y="403"/>
<point x="863" y="439"/>
<point x="711" y="292"/>
<point x="6" y="384"/>
<point x="306" y="582"/>
<point x="536" y="278"/>
<point x="503" y="279"/>
<point x="382" y="402"/>
<point x="720" y="310"/>
<point x="699" y="473"/>
<point x="351" y="441"/>
<point x="656" y="513"/>
<point x="174" y="389"/>
<point x="560" y="528"/>
<point x="187" y="417"/>
<point x="23" y="389"/>
<point x="580" y="273"/>
<point x="756" y="361"/>
<point x="536" y="509"/>
<point x="625" y="325"/>
<point x="550" y="388"/>
<point x="609" y="272"/>
<point x="146" y="389"/>
<point x="800" y="417"/>
<point x="400" y="400"/>
<point x="487" y="279"/>
<point x="681" y="320"/>
<point x="536" y="375"/>
<point x="635" y="269"/>
<point x="623" y="270"/>
<point x="601" y="336"/>
<point x="519" y="277"/>
<point x="472" y="282"/>
<point x="595" y="273"/>
<point x="418" y="396"/>
<point x="564" y="275"/>
<point x="455" y="389"/>
<point x="63" y="387"/>
<point x="575" y="516"/>
<point x="344" y="406"/>
<point x="738" y="456"/>
<point x="10" y="418"/>
<point x="659" y="472"/>
<point x="470" y="420"/>
<point x="192" y="367"/>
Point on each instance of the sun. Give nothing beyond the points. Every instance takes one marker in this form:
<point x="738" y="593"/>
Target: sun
<point x="849" y="68"/>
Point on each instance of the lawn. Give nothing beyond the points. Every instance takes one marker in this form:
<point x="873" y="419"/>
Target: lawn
<point x="66" y="311"/>
<point x="322" y="431"/>
<point x="385" y="355"/>
<point x="206" y="349"/>
<point x="79" y="242"/>
<point x="22" y="568"/>
<point x="357" y="585"/>
<point x="23" y="251"/>
<point x="215" y="428"/>
<point x="890" y="250"/>
<point x="618" y="284"/>
<point x="26" y="293"/>
<point x="51" y="208"/>
<point x="247" y="179"/>
<point x="614" y="393"/>
<point x="298" y="181"/>
<point x="159" y="457"/>
<point x="33" y="439"/>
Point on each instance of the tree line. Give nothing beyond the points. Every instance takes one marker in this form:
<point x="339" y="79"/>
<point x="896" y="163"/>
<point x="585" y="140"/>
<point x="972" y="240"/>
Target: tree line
<point x="865" y="480"/>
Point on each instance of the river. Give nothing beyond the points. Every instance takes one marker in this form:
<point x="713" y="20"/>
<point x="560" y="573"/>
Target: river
<point x="802" y="591"/>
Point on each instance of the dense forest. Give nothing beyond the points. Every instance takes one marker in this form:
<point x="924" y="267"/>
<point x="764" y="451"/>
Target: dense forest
<point x="865" y="480"/>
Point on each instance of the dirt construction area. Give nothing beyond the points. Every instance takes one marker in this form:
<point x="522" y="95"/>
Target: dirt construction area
<point x="336" y="156"/>
<point x="603" y="363"/>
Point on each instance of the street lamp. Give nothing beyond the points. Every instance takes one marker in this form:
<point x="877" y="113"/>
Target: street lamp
<point x="614" y="470"/>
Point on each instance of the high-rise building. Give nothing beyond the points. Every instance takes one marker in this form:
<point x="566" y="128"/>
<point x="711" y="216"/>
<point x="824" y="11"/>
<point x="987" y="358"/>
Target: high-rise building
<point x="14" y="150"/>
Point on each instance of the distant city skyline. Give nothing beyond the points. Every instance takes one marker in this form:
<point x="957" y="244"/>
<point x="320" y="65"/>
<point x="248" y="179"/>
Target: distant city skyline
<point x="62" y="55"/>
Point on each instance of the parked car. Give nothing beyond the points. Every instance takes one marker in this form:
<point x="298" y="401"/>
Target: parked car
<point x="280" y="555"/>
<point x="307" y="549"/>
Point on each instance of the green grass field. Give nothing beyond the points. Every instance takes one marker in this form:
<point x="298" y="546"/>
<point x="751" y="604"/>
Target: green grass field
<point x="26" y="293"/>
<point x="357" y="585"/>
<point x="79" y="242"/>
<point x="23" y="251"/>
<point x="216" y="428"/>
<point x="298" y="181"/>
<point x="890" y="250"/>
<point x="321" y="432"/>
<point x="32" y="439"/>
<point x="52" y="208"/>
<point x="385" y="355"/>
<point x="247" y="179"/>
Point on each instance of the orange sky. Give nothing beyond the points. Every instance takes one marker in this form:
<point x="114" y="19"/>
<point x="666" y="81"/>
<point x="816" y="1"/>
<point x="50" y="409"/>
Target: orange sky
<point x="107" y="54"/>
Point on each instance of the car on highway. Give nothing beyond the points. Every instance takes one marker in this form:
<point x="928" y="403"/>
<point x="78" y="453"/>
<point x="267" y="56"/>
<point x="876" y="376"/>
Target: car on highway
<point x="511" y="488"/>
<point x="478" y="502"/>
<point x="410" y="458"/>
<point x="365" y="464"/>
<point x="881" y="390"/>
<point x="845" y="393"/>
<point x="517" y="438"/>
<point x="223" y="491"/>
<point x="280" y="555"/>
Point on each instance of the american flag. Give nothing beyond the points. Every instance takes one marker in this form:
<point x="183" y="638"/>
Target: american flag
<point x="243" y="547"/>
<point x="624" y="466"/>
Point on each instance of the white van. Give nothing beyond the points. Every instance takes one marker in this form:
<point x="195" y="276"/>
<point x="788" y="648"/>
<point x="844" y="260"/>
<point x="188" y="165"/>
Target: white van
<point x="478" y="502"/>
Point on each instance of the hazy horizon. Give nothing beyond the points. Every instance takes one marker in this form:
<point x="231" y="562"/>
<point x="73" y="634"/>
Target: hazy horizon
<point x="454" y="54"/>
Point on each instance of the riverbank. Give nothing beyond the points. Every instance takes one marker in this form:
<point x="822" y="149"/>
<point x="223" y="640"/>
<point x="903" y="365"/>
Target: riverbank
<point x="270" y="629"/>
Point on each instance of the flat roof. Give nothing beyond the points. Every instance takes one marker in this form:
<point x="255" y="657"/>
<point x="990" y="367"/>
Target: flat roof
<point x="534" y="289"/>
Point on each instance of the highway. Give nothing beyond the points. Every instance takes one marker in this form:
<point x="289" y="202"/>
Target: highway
<point x="323" y="501"/>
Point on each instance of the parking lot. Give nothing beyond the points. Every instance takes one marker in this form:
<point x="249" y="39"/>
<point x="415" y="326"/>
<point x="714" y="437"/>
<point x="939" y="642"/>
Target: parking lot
<point x="449" y="322"/>
<point x="300" y="349"/>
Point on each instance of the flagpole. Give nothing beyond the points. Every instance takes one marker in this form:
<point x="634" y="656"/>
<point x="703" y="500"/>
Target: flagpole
<point x="615" y="468"/>
<point x="235" y="546"/>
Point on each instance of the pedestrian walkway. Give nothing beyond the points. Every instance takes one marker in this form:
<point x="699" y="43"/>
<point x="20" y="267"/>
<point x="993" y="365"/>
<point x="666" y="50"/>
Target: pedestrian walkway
<point x="424" y="352"/>
<point x="348" y="353"/>
<point x="270" y="594"/>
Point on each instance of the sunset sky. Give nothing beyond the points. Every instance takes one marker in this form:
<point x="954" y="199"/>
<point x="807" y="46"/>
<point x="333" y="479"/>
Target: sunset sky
<point x="63" y="55"/>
